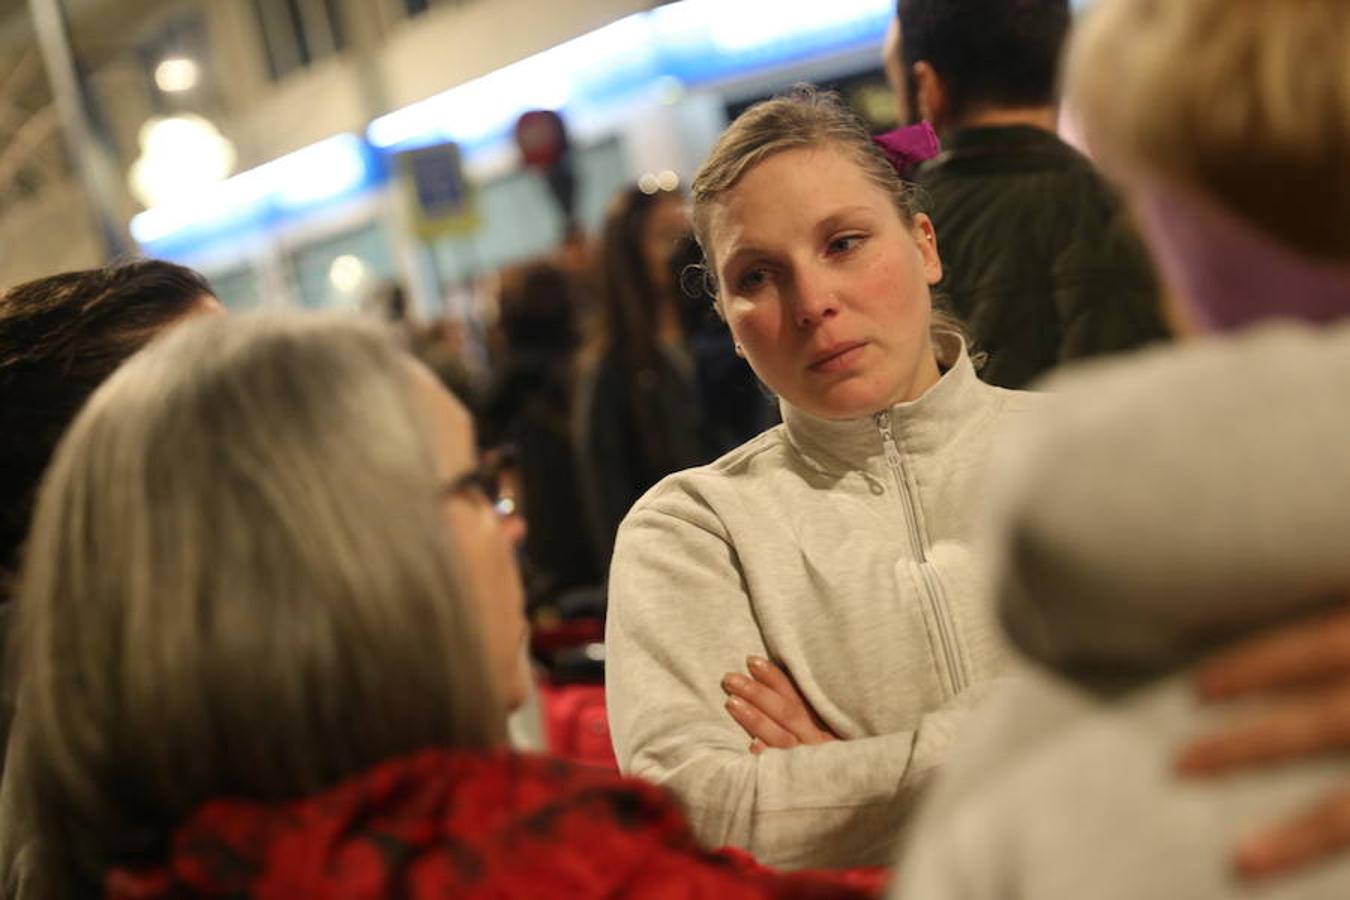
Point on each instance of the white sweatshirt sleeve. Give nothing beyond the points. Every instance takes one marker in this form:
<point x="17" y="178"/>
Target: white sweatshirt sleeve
<point x="679" y="619"/>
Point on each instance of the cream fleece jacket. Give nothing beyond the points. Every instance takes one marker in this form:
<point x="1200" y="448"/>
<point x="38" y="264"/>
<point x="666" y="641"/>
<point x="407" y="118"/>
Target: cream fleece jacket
<point x="1164" y="506"/>
<point x="852" y="567"/>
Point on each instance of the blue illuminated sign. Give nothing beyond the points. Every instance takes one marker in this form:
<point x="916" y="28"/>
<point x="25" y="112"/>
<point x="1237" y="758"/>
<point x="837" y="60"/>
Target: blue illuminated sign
<point x="287" y="188"/>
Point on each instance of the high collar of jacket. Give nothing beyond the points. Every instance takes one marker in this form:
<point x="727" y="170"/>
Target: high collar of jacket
<point x="920" y="426"/>
<point x="999" y="148"/>
<point x="998" y="138"/>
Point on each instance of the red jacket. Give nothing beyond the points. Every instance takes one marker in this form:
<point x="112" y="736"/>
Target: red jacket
<point x="445" y="823"/>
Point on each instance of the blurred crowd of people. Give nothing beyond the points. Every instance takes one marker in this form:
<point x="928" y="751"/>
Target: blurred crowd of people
<point x="600" y="370"/>
<point x="891" y="587"/>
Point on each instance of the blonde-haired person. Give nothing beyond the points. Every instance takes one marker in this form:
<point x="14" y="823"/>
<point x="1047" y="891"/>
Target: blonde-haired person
<point x="836" y="546"/>
<point x="270" y="623"/>
<point x="1175" y="503"/>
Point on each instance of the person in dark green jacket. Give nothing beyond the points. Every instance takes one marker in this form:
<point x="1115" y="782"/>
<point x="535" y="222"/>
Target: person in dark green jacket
<point x="1043" y="264"/>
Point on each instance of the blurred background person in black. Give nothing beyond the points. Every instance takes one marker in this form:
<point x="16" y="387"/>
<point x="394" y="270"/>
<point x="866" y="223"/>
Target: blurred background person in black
<point x="662" y="387"/>
<point x="529" y="410"/>
<point x="638" y="417"/>
<point x="1043" y="265"/>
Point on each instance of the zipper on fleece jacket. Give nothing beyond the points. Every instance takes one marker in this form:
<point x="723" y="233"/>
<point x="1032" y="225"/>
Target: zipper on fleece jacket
<point x="934" y="596"/>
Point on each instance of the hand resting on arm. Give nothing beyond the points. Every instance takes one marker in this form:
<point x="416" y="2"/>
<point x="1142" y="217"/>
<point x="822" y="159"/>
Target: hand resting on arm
<point x="1305" y="671"/>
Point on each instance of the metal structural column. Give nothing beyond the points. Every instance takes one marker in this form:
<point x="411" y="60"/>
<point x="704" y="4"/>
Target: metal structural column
<point x="97" y="166"/>
<point x="415" y="262"/>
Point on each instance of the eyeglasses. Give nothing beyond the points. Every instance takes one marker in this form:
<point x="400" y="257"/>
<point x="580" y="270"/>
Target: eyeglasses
<point x="486" y="482"/>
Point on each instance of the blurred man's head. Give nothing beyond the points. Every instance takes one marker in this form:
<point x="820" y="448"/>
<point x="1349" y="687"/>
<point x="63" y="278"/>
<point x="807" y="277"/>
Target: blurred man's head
<point x="1243" y="102"/>
<point x="538" y="304"/>
<point x="60" y="338"/>
<point x="964" y="59"/>
<point x="1227" y="122"/>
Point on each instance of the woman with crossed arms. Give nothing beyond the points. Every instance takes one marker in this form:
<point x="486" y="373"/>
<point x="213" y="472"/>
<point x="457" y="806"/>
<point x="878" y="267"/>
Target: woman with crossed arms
<point x="838" y="544"/>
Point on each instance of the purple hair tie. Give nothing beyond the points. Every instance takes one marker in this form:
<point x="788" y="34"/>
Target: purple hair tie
<point x="907" y="147"/>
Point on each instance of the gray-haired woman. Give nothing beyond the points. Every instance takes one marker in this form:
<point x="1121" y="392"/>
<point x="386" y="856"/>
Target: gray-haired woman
<point x="270" y="622"/>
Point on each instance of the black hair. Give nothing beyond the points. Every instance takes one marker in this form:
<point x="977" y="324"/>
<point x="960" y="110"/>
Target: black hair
<point x="538" y="309"/>
<point x="60" y="338"/>
<point x="1002" y="53"/>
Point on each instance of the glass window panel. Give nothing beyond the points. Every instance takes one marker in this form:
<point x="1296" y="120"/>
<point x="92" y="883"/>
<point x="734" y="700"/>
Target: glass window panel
<point x="519" y="220"/>
<point x="340" y="272"/>
<point x="238" y="289"/>
<point x="298" y="32"/>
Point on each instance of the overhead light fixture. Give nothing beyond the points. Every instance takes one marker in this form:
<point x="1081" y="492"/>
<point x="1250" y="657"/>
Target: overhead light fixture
<point x="323" y="172"/>
<point x="347" y="273"/>
<point x="180" y="157"/>
<point x="176" y="74"/>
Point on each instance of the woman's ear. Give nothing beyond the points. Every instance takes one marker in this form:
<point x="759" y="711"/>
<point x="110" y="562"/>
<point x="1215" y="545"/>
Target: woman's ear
<point x="925" y="236"/>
